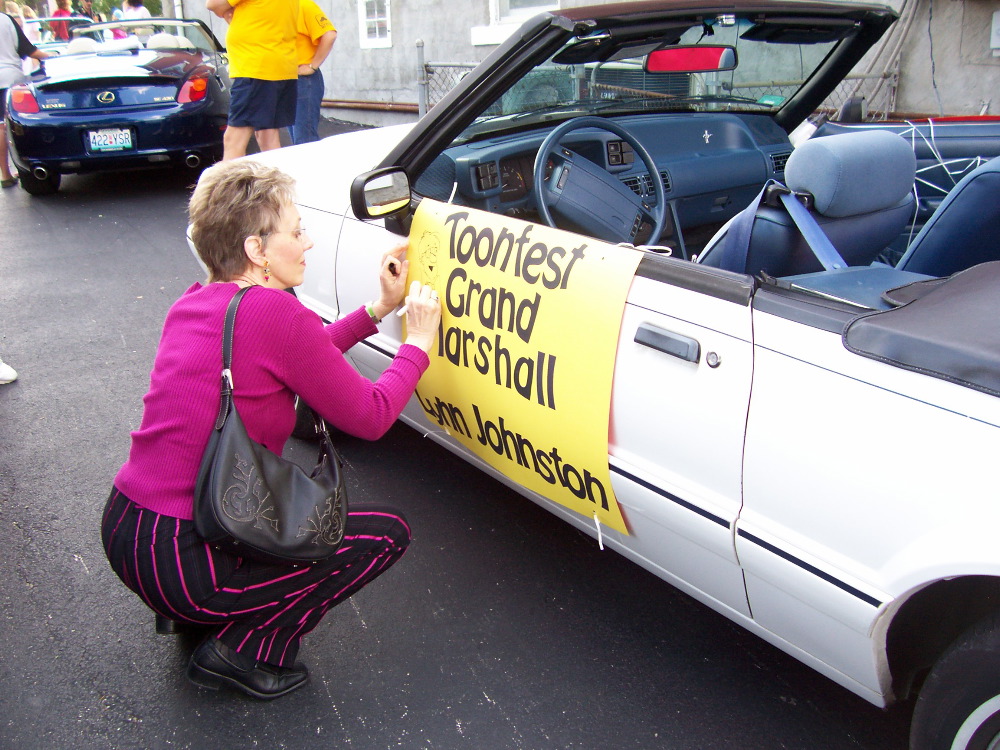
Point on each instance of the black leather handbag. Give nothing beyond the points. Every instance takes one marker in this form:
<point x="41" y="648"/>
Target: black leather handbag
<point x="252" y="503"/>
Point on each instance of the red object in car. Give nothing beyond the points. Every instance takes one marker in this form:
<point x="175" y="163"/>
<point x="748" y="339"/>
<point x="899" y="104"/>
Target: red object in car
<point x="690" y="59"/>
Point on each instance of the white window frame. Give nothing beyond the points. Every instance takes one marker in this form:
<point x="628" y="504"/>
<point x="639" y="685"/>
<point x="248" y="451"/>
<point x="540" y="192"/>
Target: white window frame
<point x="504" y="21"/>
<point x="505" y="13"/>
<point x="369" y="42"/>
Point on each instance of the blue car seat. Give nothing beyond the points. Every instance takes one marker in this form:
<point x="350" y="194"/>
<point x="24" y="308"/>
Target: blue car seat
<point x="859" y="190"/>
<point x="964" y="230"/>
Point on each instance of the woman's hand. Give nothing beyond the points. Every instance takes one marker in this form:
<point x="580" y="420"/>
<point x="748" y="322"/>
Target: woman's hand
<point x="392" y="280"/>
<point x="423" y="314"/>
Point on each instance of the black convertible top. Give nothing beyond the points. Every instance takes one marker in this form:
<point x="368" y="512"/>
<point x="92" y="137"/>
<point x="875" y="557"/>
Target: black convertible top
<point x="948" y="329"/>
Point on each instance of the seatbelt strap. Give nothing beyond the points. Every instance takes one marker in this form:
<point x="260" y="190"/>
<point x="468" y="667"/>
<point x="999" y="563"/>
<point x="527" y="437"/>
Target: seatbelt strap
<point x="814" y="235"/>
<point x="737" y="239"/>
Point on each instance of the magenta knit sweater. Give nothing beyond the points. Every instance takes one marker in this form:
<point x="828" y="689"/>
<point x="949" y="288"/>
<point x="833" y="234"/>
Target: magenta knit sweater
<point x="280" y="349"/>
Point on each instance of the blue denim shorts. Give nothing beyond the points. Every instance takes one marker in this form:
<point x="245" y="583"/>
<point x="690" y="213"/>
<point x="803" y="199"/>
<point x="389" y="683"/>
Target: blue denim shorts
<point x="262" y="105"/>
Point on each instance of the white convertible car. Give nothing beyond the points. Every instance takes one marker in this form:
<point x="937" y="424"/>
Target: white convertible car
<point x="718" y="367"/>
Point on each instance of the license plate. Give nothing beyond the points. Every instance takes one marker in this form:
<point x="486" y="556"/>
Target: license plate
<point x="110" y="139"/>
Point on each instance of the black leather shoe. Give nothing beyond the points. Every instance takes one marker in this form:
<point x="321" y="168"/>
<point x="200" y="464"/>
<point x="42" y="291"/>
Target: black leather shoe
<point x="214" y="664"/>
<point x="166" y="626"/>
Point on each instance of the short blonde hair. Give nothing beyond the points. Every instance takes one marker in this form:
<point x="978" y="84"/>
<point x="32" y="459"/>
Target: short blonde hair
<point x="13" y="9"/>
<point x="234" y="200"/>
<point x="28" y="12"/>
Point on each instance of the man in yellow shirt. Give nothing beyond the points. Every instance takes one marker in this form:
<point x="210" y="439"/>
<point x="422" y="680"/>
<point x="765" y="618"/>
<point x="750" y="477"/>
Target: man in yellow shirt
<point x="262" y="66"/>
<point x="315" y="38"/>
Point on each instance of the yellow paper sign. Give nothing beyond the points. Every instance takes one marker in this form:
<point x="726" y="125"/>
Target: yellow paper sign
<point x="526" y="351"/>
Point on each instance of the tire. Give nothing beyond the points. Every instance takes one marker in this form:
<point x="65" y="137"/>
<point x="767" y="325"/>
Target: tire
<point x="959" y="704"/>
<point x="33" y="186"/>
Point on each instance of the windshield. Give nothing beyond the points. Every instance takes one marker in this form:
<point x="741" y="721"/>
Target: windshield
<point x="603" y="73"/>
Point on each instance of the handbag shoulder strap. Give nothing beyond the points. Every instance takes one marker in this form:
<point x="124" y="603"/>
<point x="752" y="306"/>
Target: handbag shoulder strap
<point x="227" y="332"/>
<point x="226" y="392"/>
<point x="226" y="400"/>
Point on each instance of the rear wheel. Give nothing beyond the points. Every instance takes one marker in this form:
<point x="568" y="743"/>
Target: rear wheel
<point x="35" y="186"/>
<point x="959" y="704"/>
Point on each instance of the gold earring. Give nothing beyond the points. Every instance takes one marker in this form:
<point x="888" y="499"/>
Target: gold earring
<point x="267" y="270"/>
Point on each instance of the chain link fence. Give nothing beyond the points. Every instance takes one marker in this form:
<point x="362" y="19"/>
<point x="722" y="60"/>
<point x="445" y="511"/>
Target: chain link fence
<point x="441" y="77"/>
<point x="877" y="90"/>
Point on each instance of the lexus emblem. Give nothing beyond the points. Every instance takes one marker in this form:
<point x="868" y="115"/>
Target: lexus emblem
<point x="106" y="97"/>
<point x="706" y="135"/>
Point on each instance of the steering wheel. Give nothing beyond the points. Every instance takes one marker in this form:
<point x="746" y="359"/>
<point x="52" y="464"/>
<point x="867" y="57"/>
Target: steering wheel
<point x="586" y="196"/>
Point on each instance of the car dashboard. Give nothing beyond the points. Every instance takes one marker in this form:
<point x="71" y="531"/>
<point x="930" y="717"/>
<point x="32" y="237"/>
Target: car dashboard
<point x="712" y="164"/>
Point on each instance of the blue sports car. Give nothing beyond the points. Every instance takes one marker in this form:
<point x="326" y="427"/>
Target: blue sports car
<point x="123" y="95"/>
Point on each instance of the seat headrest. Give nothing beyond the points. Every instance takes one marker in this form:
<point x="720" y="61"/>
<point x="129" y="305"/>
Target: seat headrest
<point x="853" y="173"/>
<point x="81" y="44"/>
<point x="162" y="40"/>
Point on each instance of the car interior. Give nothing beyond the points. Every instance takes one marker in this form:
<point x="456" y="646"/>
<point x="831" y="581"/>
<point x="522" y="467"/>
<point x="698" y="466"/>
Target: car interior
<point x="661" y="141"/>
<point x="963" y="231"/>
<point x="111" y="38"/>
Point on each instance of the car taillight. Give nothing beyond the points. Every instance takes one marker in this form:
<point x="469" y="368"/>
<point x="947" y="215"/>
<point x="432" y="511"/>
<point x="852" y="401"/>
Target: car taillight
<point x="193" y="90"/>
<point x="22" y="100"/>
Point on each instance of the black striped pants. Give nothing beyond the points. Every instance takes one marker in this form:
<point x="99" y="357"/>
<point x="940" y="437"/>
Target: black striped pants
<point x="261" y="609"/>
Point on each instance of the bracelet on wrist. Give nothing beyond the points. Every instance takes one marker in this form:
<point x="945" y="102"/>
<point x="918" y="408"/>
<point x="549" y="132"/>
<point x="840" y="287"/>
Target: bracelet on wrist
<point x="370" y="309"/>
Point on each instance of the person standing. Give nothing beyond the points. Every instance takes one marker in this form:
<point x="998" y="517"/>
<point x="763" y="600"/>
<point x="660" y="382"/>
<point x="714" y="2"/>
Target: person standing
<point x="117" y="14"/>
<point x="315" y="38"/>
<point x="262" y="66"/>
<point x="14" y="47"/>
<point x="87" y="9"/>
<point x="60" y="29"/>
<point x="31" y="30"/>
<point x="132" y="9"/>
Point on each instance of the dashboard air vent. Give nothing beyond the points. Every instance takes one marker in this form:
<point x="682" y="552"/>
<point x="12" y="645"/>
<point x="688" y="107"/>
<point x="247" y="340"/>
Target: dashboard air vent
<point x="641" y="185"/>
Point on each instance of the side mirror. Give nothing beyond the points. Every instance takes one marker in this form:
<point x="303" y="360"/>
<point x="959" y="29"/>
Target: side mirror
<point x="691" y="59"/>
<point x="384" y="192"/>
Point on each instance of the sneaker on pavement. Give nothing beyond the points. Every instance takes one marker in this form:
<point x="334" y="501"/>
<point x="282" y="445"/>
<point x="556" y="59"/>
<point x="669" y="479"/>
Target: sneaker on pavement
<point x="7" y="373"/>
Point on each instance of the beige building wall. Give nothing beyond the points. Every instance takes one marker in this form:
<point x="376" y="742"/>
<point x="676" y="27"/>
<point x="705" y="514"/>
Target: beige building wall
<point x="942" y="48"/>
<point x="947" y="66"/>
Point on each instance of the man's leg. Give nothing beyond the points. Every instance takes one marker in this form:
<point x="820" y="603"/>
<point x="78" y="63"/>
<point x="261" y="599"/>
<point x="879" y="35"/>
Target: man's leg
<point x="234" y="142"/>
<point x="269" y="139"/>
<point x="315" y="103"/>
<point x="5" y="172"/>
<point x="310" y="98"/>
<point x="301" y="93"/>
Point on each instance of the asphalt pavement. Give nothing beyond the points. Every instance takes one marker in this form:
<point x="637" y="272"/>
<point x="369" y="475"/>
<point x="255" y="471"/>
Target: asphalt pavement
<point x="502" y="627"/>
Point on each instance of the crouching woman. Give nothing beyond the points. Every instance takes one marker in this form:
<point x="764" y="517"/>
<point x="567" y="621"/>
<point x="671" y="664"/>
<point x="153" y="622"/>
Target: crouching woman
<point x="248" y="233"/>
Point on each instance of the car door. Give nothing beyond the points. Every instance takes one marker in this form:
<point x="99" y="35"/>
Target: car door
<point x="678" y="415"/>
<point x="679" y="408"/>
<point x="862" y="483"/>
